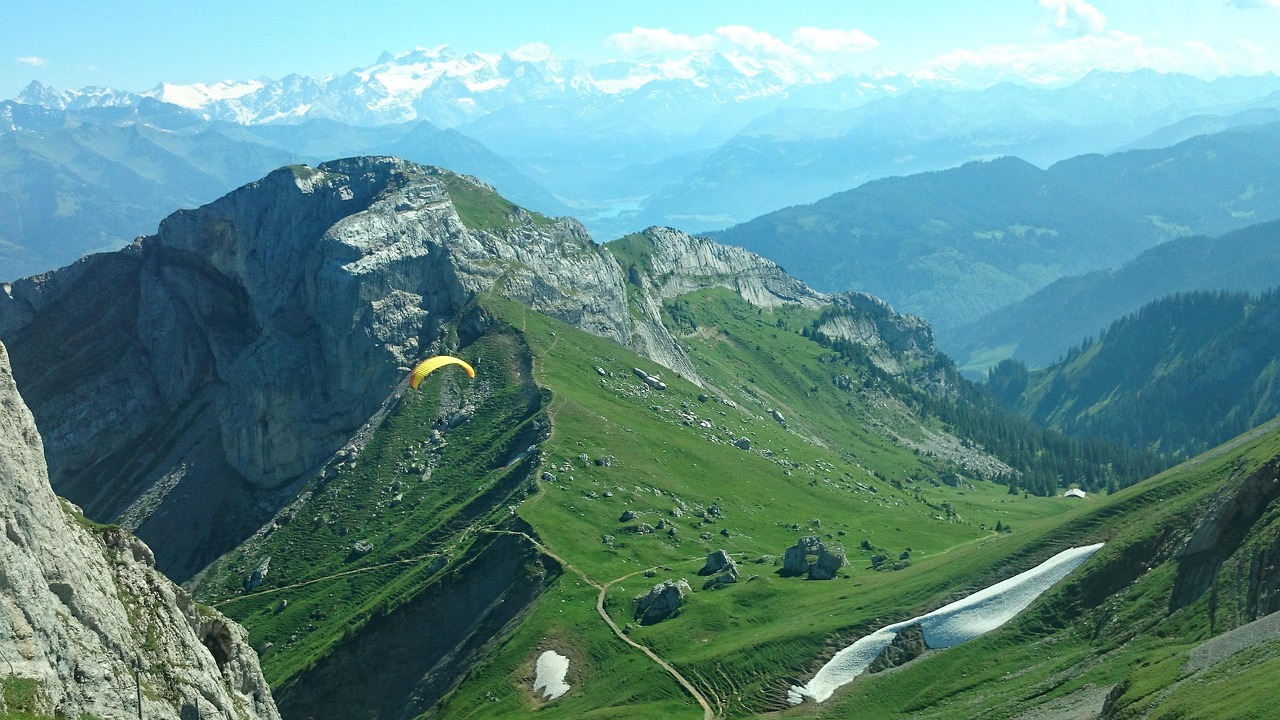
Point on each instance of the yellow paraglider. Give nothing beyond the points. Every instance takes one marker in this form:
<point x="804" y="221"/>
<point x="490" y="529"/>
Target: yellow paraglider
<point x="425" y="367"/>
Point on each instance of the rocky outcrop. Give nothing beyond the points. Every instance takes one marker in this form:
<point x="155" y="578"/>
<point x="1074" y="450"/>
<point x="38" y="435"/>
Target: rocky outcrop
<point x="895" y="342"/>
<point x="83" y="612"/>
<point x="1221" y="531"/>
<point x="185" y="384"/>
<point x="908" y="644"/>
<point x="661" y="602"/>
<point x="828" y="563"/>
<point x="680" y="263"/>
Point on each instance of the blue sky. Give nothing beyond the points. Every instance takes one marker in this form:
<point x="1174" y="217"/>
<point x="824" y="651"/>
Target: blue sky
<point x="135" y="45"/>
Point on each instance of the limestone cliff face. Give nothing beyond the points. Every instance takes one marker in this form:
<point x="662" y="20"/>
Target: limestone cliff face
<point x="84" y="613"/>
<point x="894" y="342"/>
<point x="185" y="383"/>
<point x="669" y="263"/>
<point x="679" y="263"/>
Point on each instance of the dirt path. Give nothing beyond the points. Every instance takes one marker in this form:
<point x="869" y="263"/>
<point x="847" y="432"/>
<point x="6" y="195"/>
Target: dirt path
<point x="707" y="712"/>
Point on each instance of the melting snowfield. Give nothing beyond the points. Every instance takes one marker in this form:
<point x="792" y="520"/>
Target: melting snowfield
<point x="948" y="625"/>
<point x="552" y="667"/>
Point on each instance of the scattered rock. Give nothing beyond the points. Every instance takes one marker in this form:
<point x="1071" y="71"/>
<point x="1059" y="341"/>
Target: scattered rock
<point x="627" y="516"/>
<point x="601" y="372"/>
<point x="360" y="549"/>
<point x="702" y="397"/>
<point x="548" y="477"/>
<point x="777" y="416"/>
<point x="604" y="460"/>
<point x="742" y="443"/>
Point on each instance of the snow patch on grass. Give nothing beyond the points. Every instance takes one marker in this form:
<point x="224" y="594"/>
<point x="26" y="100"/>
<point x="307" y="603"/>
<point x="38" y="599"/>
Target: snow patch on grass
<point x="949" y="625"/>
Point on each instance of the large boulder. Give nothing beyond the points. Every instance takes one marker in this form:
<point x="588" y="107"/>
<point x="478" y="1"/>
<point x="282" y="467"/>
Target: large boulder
<point x="795" y="559"/>
<point x="827" y="565"/>
<point x="810" y="557"/>
<point x="718" y="561"/>
<point x="662" y="601"/>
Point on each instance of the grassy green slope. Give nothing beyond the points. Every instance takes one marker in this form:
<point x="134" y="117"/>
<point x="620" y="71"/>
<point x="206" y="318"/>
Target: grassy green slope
<point x="1114" y="623"/>
<point x="319" y="589"/>
<point x="741" y="645"/>
<point x="835" y="468"/>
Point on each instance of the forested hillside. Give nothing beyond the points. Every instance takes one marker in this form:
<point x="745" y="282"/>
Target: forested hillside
<point x="1179" y="376"/>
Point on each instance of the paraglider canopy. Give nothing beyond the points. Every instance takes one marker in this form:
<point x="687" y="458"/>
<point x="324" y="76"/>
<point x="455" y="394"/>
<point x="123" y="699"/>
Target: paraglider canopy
<point x="425" y="367"/>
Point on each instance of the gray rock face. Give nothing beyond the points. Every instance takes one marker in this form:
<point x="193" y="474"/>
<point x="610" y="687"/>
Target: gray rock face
<point x="250" y="338"/>
<point x="82" y="608"/>
<point x="893" y="340"/>
<point x="661" y="602"/>
<point x="719" y="581"/>
<point x="684" y="263"/>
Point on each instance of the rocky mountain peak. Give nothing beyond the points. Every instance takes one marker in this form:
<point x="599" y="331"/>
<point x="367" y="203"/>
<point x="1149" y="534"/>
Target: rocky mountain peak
<point x="258" y="332"/>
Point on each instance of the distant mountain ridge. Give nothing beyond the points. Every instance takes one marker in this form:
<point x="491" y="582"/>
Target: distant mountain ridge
<point x="707" y="140"/>
<point x="954" y="245"/>
<point x="1042" y="327"/>
<point x="1180" y="375"/>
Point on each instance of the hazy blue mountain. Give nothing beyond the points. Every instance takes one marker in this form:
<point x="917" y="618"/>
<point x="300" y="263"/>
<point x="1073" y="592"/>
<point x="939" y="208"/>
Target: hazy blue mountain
<point x="93" y="179"/>
<point x="1041" y="328"/>
<point x="1259" y="111"/>
<point x="1181" y="375"/>
<point x="708" y="140"/>
<point x="797" y="155"/>
<point x="89" y="188"/>
<point x="955" y="245"/>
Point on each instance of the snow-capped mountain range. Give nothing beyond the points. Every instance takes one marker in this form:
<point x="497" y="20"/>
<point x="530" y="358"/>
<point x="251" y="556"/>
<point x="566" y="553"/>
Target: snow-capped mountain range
<point x="448" y="89"/>
<point x="699" y="143"/>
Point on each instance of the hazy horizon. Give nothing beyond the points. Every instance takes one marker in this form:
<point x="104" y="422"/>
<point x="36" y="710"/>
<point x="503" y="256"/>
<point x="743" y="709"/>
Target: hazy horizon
<point x="1034" y="41"/>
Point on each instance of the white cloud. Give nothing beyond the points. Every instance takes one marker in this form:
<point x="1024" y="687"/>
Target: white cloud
<point x="31" y="60"/>
<point x="755" y="40"/>
<point x="531" y="52"/>
<point x="1070" y="58"/>
<point x="659" y="40"/>
<point x="1076" y="16"/>
<point x="1253" y="4"/>
<point x="821" y="40"/>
